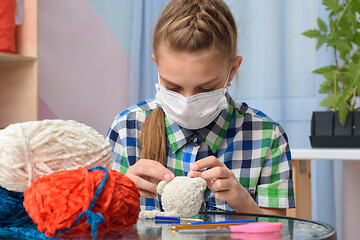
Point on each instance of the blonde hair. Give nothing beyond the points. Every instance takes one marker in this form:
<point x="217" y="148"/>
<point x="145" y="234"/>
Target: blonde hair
<point x="187" y="26"/>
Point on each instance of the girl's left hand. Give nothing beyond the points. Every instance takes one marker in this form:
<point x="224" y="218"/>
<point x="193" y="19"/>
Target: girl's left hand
<point x="221" y="180"/>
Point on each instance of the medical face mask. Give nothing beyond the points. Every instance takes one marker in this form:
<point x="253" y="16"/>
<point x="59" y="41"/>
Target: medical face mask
<point x="194" y="112"/>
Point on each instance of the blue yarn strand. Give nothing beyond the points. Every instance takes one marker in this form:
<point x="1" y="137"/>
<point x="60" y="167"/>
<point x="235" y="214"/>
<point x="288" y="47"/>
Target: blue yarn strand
<point x="93" y="219"/>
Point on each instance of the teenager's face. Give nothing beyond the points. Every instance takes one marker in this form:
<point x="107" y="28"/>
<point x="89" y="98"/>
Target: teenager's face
<point x="193" y="73"/>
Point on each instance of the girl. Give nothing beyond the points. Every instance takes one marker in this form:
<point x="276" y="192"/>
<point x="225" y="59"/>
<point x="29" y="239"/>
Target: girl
<point x="193" y="127"/>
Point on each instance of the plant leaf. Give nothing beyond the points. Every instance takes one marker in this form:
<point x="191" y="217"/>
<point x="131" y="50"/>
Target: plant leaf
<point x="355" y="57"/>
<point x="321" y="41"/>
<point x="344" y="46"/>
<point x="312" y="33"/>
<point x="356" y="38"/>
<point x="345" y="93"/>
<point x="330" y="101"/>
<point x="330" y="4"/>
<point x="322" y="25"/>
<point x="343" y="112"/>
<point x="333" y="42"/>
<point x="325" y="69"/>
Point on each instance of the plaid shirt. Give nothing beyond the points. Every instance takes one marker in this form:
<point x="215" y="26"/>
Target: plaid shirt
<point x="251" y="144"/>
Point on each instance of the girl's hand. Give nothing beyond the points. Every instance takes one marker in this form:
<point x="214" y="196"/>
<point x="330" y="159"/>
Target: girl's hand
<point x="222" y="181"/>
<point x="145" y="173"/>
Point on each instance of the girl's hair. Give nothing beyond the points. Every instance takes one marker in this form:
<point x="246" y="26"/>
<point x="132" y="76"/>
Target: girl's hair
<point x="187" y="26"/>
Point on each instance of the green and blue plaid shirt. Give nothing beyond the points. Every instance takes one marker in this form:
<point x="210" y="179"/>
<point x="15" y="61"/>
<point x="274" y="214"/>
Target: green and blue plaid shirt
<point x="251" y="144"/>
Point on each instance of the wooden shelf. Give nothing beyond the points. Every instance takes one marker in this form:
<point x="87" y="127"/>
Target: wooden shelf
<point x="19" y="72"/>
<point x="6" y="58"/>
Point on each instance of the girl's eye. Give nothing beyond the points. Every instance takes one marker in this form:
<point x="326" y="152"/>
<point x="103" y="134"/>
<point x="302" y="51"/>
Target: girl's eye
<point x="206" y="89"/>
<point x="174" y="89"/>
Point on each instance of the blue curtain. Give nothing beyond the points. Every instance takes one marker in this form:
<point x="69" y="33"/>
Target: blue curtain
<point x="275" y="77"/>
<point x="143" y="74"/>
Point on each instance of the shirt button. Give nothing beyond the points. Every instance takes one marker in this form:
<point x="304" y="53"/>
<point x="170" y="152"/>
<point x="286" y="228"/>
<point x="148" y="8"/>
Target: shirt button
<point x="195" y="139"/>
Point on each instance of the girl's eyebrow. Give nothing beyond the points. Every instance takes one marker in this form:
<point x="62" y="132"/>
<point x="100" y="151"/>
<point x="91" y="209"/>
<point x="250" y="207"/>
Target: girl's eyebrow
<point x="167" y="81"/>
<point x="206" y="83"/>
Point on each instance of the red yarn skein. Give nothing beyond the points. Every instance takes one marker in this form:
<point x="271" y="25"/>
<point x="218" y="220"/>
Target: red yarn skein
<point x="54" y="201"/>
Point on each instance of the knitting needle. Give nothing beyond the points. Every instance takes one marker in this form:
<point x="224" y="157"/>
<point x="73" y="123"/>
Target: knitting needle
<point x="211" y="224"/>
<point x="229" y="221"/>
<point x="164" y="218"/>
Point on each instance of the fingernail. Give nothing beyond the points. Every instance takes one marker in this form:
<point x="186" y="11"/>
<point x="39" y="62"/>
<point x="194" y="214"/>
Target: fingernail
<point x="172" y="175"/>
<point x="167" y="177"/>
<point x="194" y="167"/>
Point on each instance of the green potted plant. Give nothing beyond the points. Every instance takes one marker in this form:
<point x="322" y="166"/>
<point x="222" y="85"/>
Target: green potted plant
<point x="341" y="79"/>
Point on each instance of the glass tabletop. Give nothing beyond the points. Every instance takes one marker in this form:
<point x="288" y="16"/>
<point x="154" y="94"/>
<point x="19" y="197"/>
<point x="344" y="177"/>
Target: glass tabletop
<point x="293" y="228"/>
<point x="146" y="229"/>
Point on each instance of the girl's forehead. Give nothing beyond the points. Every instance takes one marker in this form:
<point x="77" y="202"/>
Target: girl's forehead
<point x="208" y="59"/>
<point x="201" y="55"/>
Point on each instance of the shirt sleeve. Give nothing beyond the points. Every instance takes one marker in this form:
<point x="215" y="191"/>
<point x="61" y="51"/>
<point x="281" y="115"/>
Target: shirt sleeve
<point x="275" y="187"/>
<point x="121" y="163"/>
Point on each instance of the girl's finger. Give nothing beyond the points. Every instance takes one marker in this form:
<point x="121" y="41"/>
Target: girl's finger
<point x="215" y="173"/>
<point x="207" y="162"/>
<point x="147" y="194"/>
<point x="152" y="170"/>
<point x="143" y="184"/>
<point x="193" y="174"/>
<point x="219" y="185"/>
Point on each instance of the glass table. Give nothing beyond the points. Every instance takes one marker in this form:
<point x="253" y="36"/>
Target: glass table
<point x="293" y="228"/>
<point x="148" y="229"/>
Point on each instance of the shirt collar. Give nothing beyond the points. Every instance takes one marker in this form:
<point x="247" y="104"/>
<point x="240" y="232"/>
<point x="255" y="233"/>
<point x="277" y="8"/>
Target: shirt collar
<point x="213" y="134"/>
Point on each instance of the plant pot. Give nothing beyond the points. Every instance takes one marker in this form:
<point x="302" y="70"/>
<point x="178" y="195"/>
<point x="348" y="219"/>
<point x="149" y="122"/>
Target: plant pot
<point x="326" y="130"/>
<point x="322" y="123"/>
<point x="340" y="130"/>
<point x="356" y="123"/>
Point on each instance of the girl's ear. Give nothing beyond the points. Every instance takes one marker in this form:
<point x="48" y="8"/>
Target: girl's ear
<point x="235" y="66"/>
<point x="154" y="59"/>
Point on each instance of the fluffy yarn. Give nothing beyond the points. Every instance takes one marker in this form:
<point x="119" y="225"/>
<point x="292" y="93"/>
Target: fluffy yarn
<point x="181" y="197"/>
<point x="76" y="201"/>
<point x="36" y="148"/>
<point x="12" y="211"/>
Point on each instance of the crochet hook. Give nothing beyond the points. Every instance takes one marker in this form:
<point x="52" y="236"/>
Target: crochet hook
<point x="164" y="218"/>
<point x="212" y="224"/>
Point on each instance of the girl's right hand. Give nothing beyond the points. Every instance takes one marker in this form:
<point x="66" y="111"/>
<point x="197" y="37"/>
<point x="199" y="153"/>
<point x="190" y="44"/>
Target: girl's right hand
<point x="145" y="173"/>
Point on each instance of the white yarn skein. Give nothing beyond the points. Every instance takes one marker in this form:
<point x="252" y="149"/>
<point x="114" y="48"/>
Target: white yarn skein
<point x="35" y="148"/>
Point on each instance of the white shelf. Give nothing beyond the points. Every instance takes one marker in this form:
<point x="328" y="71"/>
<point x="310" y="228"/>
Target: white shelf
<point x="326" y="154"/>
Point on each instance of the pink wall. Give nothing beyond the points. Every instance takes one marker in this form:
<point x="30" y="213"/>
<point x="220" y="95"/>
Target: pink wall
<point x="83" y="69"/>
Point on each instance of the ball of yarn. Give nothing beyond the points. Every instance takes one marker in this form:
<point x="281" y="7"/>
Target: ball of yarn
<point x="36" y="148"/>
<point x="182" y="196"/>
<point x="70" y="202"/>
<point x="12" y="211"/>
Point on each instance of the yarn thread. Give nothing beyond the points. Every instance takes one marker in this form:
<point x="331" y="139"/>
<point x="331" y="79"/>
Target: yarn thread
<point x="57" y="203"/>
<point x="93" y="219"/>
<point x="36" y="148"/>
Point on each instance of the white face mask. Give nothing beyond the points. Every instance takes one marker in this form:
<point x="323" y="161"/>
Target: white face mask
<point x="194" y="112"/>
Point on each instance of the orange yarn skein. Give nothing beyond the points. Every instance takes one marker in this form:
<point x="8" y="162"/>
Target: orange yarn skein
<point x="54" y="201"/>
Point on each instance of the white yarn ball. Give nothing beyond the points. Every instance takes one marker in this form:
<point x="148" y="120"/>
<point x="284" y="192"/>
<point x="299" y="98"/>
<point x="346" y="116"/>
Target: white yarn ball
<point x="35" y="148"/>
<point x="182" y="196"/>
